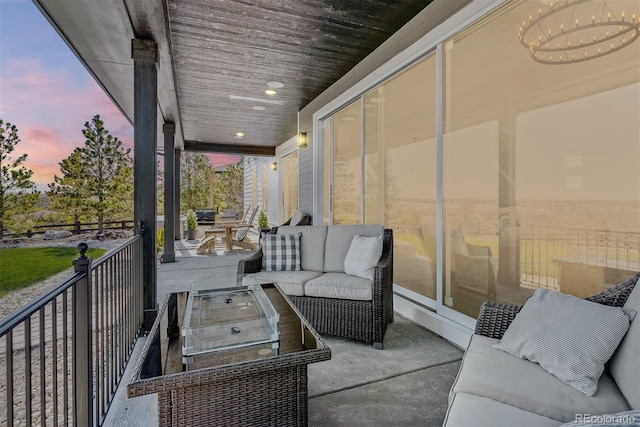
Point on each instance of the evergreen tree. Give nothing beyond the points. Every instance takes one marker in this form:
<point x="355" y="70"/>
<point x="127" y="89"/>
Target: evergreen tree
<point x="229" y="188"/>
<point x="195" y="170"/>
<point x="100" y="172"/>
<point x="17" y="193"/>
<point x="69" y="192"/>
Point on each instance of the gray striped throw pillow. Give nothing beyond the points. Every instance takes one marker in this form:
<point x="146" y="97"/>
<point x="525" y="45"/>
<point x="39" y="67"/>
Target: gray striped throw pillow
<point x="569" y="337"/>
<point x="281" y="252"/>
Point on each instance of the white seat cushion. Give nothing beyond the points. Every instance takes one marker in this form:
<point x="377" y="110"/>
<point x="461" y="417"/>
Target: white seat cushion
<point x="291" y="282"/>
<point x="497" y="375"/>
<point x="471" y="410"/>
<point x="339" y="285"/>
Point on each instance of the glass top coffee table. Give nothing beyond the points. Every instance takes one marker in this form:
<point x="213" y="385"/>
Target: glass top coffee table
<point x="228" y="380"/>
<point x="225" y="319"/>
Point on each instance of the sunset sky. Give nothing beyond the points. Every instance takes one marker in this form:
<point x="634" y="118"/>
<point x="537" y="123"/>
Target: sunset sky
<point x="47" y="93"/>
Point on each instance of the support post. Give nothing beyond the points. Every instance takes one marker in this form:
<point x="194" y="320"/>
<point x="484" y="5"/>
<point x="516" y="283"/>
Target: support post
<point x="145" y="92"/>
<point x="176" y="188"/>
<point x="82" y="341"/>
<point x="508" y="224"/>
<point x="169" y="130"/>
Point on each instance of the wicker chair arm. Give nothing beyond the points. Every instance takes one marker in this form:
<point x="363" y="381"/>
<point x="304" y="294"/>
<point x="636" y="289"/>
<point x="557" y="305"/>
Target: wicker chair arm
<point x="252" y="264"/>
<point x="617" y="295"/>
<point x="478" y="251"/>
<point x="495" y="318"/>
<point x="385" y="263"/>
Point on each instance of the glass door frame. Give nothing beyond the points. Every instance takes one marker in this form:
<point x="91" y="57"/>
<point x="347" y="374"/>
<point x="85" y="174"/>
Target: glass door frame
<point x="432" y="42"/>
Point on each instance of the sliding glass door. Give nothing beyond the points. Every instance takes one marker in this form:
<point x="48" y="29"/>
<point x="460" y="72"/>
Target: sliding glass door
<point x="520" y="170"/>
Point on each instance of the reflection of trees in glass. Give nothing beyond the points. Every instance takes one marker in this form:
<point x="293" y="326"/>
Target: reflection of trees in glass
<point x="346" y="197"/>
<point x="371" y="188"/>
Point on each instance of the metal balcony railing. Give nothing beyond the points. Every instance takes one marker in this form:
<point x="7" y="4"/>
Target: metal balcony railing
<point x="63" y="355"/>
<point x="544" y="248"/>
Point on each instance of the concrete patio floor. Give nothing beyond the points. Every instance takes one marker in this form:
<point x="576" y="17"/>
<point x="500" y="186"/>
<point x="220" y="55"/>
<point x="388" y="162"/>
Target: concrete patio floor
<point x="406" y="384"/>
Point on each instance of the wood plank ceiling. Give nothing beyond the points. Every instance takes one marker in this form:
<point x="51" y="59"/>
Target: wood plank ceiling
<point x="233" y="48"/>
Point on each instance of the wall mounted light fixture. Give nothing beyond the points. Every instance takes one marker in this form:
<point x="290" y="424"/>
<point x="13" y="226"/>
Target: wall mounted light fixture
<point x="274" y="166"/>
<point x="302" y="140"/>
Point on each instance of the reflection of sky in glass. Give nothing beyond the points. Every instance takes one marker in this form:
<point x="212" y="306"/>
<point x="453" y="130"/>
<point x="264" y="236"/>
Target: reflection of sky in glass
<point x="587" y="148"/>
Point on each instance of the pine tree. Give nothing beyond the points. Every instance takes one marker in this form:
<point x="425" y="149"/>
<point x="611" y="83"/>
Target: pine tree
<point x="101" y="172"/>
<point x="17" y="193"/>
<point x="195" y="171"/>
<point x="69" y="192"/>
<point x="229" y="188"/>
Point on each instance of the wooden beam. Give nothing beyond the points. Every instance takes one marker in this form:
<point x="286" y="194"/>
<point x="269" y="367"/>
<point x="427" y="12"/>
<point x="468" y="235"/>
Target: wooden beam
<point x="211" y="147"/>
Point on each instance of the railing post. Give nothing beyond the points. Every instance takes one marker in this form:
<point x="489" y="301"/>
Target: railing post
<point x="82" y="342"/>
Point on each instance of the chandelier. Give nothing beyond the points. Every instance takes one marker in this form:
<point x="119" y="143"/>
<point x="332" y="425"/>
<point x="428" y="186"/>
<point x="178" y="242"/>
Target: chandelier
<point x="564" y="32"/>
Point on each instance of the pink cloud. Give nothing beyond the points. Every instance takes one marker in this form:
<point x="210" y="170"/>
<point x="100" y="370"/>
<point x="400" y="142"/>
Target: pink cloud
<point x="218" y="160"/>
<point x="50" y="107"/>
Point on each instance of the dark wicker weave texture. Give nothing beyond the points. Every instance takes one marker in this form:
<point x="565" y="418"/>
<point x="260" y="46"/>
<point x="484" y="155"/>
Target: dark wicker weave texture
<point x="494" y="318"/>
<point x="270" y="391"/>
<point x="360" y="320"/>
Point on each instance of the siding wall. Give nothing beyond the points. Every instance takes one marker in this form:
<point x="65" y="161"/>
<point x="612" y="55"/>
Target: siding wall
<point x="305" y="177"/>
<point x="257" y="164"/>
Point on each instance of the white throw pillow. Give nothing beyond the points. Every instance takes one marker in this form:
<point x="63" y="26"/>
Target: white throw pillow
<point x="363" y="255"/>
<point x="568" y="337"/>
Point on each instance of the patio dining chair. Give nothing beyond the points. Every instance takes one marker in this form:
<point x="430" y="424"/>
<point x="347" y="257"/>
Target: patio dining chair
<point x="473" y="267"/>
<point x="240" y="239"/>
<point x="298" y="218"/>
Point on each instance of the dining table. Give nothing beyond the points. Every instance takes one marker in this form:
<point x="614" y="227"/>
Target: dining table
<point x="226" y="227"/>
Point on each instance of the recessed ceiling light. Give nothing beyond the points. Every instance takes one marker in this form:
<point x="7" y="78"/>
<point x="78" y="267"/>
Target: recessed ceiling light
<point x="270" y="92"/>
<point x="275" y="85"/>
<point x="239" y="134"/>
<point x="259" y="107"/>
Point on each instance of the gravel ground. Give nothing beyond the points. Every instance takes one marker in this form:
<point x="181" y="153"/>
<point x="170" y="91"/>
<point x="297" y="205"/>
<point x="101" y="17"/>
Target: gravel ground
<point x="13" y="301"/>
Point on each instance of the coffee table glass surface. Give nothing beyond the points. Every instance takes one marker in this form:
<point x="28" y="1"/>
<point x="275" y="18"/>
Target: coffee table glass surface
<point x="223" y="319"/>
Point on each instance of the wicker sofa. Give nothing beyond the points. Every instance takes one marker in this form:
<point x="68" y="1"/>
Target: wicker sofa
<point x="334" y="302"/>
<point x="494" y="388"/>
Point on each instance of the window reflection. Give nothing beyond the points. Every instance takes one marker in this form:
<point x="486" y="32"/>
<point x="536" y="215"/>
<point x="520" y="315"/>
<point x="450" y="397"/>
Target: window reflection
<point x="540" y="168"/>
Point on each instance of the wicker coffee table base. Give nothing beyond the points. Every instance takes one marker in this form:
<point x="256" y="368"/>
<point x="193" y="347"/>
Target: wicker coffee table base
<point x="265" y="391"/>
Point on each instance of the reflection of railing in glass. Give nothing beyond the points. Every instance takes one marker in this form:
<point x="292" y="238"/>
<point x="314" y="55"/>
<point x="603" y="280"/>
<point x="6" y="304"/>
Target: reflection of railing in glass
<point x="550" y="255"/>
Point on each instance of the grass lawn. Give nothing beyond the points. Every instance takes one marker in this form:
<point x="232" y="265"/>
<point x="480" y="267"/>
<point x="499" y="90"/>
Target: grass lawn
<point x="21" y="267"/>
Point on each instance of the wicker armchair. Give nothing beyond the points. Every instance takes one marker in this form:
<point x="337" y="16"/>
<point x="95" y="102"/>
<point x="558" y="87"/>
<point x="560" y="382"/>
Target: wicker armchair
<point x="360" y="320"/>
<point x="495" y="318"/>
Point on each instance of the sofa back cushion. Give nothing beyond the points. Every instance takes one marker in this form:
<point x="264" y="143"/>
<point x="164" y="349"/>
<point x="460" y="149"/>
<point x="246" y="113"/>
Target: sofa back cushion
<point x="339" y="238"/>
<point x="625" y="362"/>
<point x="312" y="242"/>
